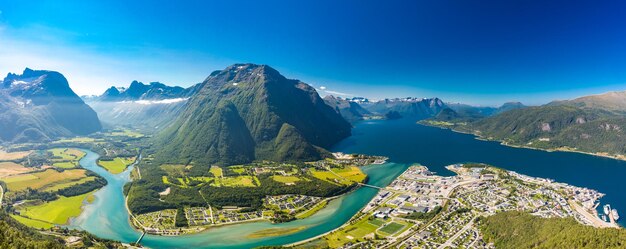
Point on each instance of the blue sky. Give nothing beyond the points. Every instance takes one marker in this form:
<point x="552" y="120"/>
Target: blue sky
<point x="478" y="52"/>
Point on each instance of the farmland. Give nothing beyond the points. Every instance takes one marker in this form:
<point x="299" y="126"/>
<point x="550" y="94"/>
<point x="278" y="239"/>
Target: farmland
<point x="55" y="212"/>
<point x="116" y="165"/>
<point x="42" y="179"/>
<point x="11" y="168"/>
<point x="65" y="158"/>
<point x="10" y="156"/>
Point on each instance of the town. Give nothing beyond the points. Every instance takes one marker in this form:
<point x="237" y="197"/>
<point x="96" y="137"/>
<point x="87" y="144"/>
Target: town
<point x="424" y="210"/>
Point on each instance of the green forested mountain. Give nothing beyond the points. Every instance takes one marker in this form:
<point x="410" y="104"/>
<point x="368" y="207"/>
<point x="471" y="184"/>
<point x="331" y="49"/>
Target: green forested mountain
<point x="522" y="230"/>
<point x="39" y="106"/>
<point x="350" y="110"/>
<point x="592" y="124"/>
<point x="247" y="112"/>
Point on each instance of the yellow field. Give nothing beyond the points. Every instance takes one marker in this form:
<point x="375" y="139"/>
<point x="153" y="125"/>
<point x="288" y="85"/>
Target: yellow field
<point x="238" y="181"/>
<point x="11" y="168"/>
<point x="58" y="211"/>
<point x="216" y="171"/>
<point x="118" y="165"/>
<point x="42" y="179"/>
<point x="9" y="156"/>
<point x="285" y="179"/>
<point x="77" y="140"/>
<point x="345" y="176"/>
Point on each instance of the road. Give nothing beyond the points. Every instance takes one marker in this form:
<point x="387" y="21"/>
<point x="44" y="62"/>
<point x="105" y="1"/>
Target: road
<point x="448" y="243"/>
<point x="1" y="195"/>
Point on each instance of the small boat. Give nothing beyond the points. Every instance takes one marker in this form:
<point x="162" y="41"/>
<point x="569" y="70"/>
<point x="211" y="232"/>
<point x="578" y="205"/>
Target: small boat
<point x="607" y="209"/>
<point x="615" y="214"/>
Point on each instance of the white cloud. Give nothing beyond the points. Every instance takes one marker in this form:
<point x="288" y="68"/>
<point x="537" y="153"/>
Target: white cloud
<point x="163" y="101"/>
<point x="338" y="93"/>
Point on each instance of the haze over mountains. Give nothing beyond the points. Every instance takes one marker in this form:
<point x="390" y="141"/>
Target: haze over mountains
<point x="148" y="106"/>
<point x="40" y="106"/>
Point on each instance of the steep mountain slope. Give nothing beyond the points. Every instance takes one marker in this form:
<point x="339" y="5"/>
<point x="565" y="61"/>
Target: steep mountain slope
<point x="247" y="112"/>
<point x="150" y="107"/>
<point x="350" y="110"/>
<point x="39" y="106"/>
<point x="407" y="107"/>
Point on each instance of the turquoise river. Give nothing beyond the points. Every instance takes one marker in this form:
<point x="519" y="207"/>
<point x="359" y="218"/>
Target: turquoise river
<point x="403" y="141"/>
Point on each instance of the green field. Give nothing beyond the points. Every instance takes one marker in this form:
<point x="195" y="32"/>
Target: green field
<point x="216" y="171"/>
<point x="58" y="211"/>
<point x="285" y="179"/>
<point x="66" y="158"/>
<point x="65" y="165"/>
<point x="43" y="179"/>
<point x="238" y="169"/>
<point x="67" y="153"/>
<point x="350" y="233"/>
<point x="32" y="223"/>
<point x="117" y="165"/>
<point x="377" y="222"/>
<point x="125" y="133"/>
<point x="238" y="181"/>
<point x="57" y="187"/>
<point x="392" y="228"/>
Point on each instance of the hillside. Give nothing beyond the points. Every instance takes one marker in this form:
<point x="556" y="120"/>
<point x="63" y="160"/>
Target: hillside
<point x="350" y="110"/>
<point x="251" y="112"/>
<point x="611" y="101"/>
<point x="591" y="124"/>
<point x="522" y="230"/>
<point x="39" y="106"/>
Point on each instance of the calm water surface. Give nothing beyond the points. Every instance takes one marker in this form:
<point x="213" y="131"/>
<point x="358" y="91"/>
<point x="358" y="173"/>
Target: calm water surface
<point x="404" y="142"/>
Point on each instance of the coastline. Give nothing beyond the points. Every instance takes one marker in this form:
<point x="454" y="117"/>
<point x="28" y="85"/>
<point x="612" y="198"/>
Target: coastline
<point x="481" y="138"/>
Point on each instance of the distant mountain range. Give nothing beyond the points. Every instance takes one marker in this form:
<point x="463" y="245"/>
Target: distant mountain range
<point x="39" y="106"/>
<point x="251" y="112"/>
<point x="148" y="106"/>
<point x="593" y="124"/>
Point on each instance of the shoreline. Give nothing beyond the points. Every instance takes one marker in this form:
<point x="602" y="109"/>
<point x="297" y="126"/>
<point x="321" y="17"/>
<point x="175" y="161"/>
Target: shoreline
<point x="501" y="142"/>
